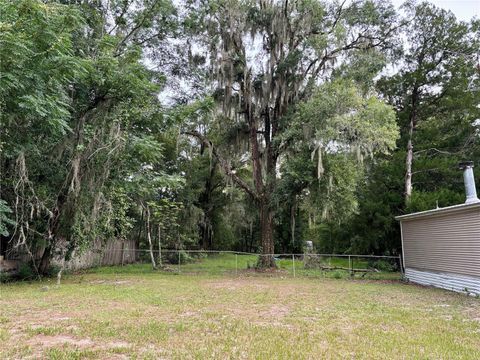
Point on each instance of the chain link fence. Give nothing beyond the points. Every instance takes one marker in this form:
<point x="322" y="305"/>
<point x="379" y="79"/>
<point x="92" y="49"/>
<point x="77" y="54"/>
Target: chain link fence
<point x="231" y="263"/>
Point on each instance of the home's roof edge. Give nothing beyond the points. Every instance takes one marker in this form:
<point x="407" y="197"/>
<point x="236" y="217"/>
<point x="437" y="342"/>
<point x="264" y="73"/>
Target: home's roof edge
<point x="438" y="211"/>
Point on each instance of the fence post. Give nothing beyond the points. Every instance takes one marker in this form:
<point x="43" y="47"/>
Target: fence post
<point x="293" y="258"/>
<point x="123" y="252"/>
<point x="350" y="265"/>
<point x="236" y="264"/>
<point x="402" y="270"/>
<point x="179" y="261"/>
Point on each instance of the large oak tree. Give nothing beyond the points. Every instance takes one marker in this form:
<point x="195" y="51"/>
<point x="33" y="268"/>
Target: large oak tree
<point x="263" y="58"/>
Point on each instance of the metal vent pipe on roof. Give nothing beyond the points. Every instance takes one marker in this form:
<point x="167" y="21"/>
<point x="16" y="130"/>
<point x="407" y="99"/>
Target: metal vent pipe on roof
<point x="469" y="180"/>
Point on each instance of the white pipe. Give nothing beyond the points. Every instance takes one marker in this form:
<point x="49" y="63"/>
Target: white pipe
<point x="469" y="181"/>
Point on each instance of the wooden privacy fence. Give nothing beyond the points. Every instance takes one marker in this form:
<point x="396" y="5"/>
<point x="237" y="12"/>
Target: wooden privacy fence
<point x="114" y="252"/>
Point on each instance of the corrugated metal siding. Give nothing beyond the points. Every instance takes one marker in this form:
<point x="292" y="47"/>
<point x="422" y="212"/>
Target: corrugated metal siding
<point x="455" y="282"/>
<point x="448" y="243"/>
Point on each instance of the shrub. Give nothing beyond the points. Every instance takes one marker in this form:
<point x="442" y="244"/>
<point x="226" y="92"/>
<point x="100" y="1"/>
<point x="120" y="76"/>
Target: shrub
<point x="337" y="275"/>
<point x="26" y="272"/>
<point x="312" y="261"/>
<point x="172" y="257"/>
<point x="383" y="265"/>
<point x="52" y="271"/>
<point x="5" y="277"/>
<point x="199" y="255"/>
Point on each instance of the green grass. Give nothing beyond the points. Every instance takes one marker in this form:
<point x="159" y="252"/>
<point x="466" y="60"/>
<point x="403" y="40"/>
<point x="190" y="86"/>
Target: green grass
<point x="207" y="311"/>
<point x="215" y="264"/>
<point x="227" y="263"/>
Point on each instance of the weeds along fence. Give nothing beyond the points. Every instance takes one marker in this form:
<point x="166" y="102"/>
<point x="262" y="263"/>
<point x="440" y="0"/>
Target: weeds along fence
<point x="198" y="262"/>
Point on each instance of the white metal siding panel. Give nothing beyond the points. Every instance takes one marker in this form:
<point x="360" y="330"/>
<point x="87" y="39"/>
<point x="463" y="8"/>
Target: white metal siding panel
<point x="447" y="243"/>
<point x="455" y="282"/>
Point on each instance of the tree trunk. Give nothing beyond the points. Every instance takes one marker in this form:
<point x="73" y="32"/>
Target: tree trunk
<point x="263" y="188"/>
<point x="160" y="245"/>
<point x="65" y="206"/>
<point x="409" y="157"/>
<point x="149" y="238"/>
<point x="266" y="225"/>
<point x="264" y="185"/>
<point x="408" y="174"/>
<point x="205" y="203"/>
<point x="53" y="227"/>
<point x="45" y="260"/>
<point x="140" y="228"/>
<point x="251" y="238"/>
<point x="206" y="233"/>
<point x="293" y="210"/>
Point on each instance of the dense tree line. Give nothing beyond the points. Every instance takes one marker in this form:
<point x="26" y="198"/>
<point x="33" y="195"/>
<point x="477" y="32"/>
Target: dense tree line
<point x="230" y="124"/>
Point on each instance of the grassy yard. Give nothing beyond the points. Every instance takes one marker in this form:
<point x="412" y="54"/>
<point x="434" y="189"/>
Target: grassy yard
<point x="133" y="312"/>
<point x="228" y="263"/>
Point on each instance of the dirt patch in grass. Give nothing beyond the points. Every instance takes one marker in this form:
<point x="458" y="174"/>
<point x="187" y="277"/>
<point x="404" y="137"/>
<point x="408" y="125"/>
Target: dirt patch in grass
<point x="40" y="344"/>
<point x="110" y="282"/>
<point x="259" y="313"/>
<point x="56" y="340"/>
<point x="276" y="311"/>
<point x="473" y="311"/>
<point x="270" y="272"/>
<point x="379" y="281"/>
<point x="236" y="284"/>
<point x="257" y="284"/>
<point x="56" y="327"/>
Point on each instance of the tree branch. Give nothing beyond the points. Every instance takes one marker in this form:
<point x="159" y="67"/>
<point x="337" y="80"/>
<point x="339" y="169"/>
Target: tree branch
<point x="425" y="170"/>
<point x="223" y="163"/>
<point x="125" y="7"/>
<point x="135" y="28"/>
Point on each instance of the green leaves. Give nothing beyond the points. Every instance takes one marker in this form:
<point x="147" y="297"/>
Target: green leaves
<point x="344" y="120"/>
<point x="5" y="220"/>
<point x="334" y="131"/>
<point x="79" y="104"/>
<point x="147" y="149"/>
<point x="37" y="67"/>
<point x="434" y="88"/>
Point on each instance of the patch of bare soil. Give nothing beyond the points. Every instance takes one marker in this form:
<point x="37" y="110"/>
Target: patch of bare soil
<point x="264" y="312"/>
<point x="273" y="312"/>
<point x="270" y="315"/>
<point x="269" y="272"/>
<point x="41" y="342"/>
<point x="377" y="281"/>
<point x="37" y="318"/>
<point x="110" y="282"/>
<point x="237" y="284"/>
<point x="473" y="311"/>
<point x="46" y="341"/>
<point x="282" y="290"/>
<point x="56" y="340"/>
<point x="276" y="311"/>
